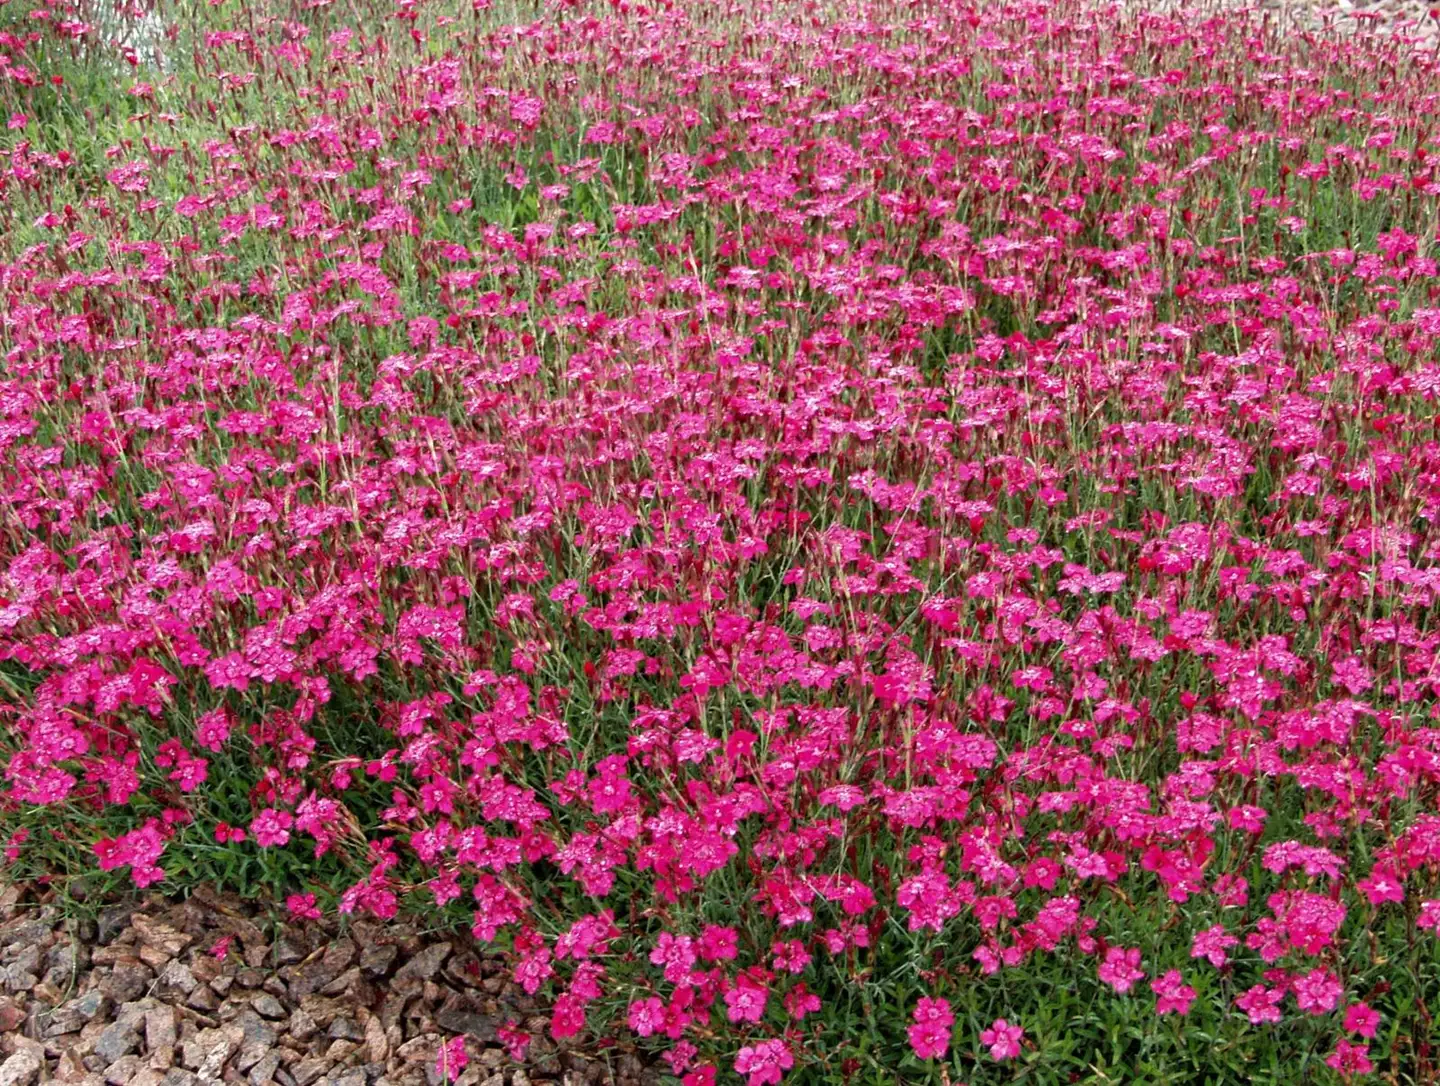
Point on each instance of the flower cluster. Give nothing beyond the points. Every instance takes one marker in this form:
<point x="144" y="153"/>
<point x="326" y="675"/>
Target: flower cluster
<point x="808" y="530"/>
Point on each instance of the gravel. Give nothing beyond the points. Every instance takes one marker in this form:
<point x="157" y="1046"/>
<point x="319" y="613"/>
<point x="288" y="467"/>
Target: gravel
<point x="1399" y="19"/>
<point x="151" y="994"/>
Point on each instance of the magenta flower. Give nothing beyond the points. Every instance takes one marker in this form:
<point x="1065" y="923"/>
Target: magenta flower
<point x="302" y="907"/>
<point x="1361" y="1019"/>
<point x="271" y="827"/>
<point x="515" y="1040"/>
<point x="1003" y="1040"/>
<point x="450" y="1061"/>
<point x="1213" y="944"/>
<point x="800" y="1001"/>
<point x="930" y="1032"/>
<point x="718" y="944"/>
<point x="795" y="497"/>
<point x="568" y="1016"/>
<point x="212" y="730"/>
<point x="1350" y="1059"/>
<point x="745" y="1001"/>
<point x="1317" y="992"/>
<point x="676" y="954"/>
<point x="1172" y="994"/>
<point x="1261" y="1004"/>
<point x="139" y="849"/>
<point x="1121" y="968"/>
<point x="647" y="1016"/>
<point x="1380" y="886"/>
<point x="1429" y="918"/>
<point x="765" y="1063"/>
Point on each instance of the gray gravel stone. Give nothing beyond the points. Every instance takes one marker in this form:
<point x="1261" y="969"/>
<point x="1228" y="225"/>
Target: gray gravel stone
<point x="378" y="959"/>
<point x="160" y="1028"/>
<point x="21" y="1069"/>
<point x="145" y="1007"/>
<point x="119" y="1039"/>
<point x="309" y="1070"/>
<point x="128" y="980"/>
<point x="288" y="949"/>
<point x="264" y="1069"/>
<point x="123" y="1070"/>
<point x="73" y="1016"/>
<point x="425" y="964"/>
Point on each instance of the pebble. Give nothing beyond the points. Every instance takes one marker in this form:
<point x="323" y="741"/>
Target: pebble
<point x="376" y="961"/>
<point x="21" y="1069"/>
<point x="424" y="965"/>
<point x="160" y="1028"/>
<point x="264" y="1069"/>
<point x="74" y="1015"/>
<point x="309" y="1070"/>
<point x="128" y="981"/>
<point x="119" y="1039"/>
<point x="302" y="1025"/>
<point x="123" y="1070"/>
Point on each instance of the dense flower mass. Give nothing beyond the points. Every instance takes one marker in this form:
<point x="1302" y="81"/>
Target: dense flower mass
<point x="848" y="542"/>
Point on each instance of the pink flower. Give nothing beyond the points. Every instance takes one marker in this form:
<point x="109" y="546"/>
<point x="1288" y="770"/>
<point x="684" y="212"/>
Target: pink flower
<point x="647" y="1016"/>
<point x="226" y="834"/>
<point x="1172" y="995"/>
<point x="213" y="729"/>
<point x="1429" y="917"/>
<point x="1232" y="891"/>
<point x="271" y="827"/>
<point x="680" y="1057"/>
<point x="302" y="907"/>
<point x="1212" y="944"/>
<point x="1002" y="1039"/>
<point x="610" y="789"/>
<point x="1361" y="1019"/>
<point x="451" y="1059"/>
<point x="1380" y="886"/>
<point x="1350" y="1059"/>
<point x="230" y="671"/>
<point x="800" y="1001"/>
<point x="764" y="1063"/>
<point x="718" y="944"/>
<point x="791" y="957"/>
<point x="1317" y="992"/>
<point x="594" y="586"/>
<point x="515" y="1040"/>
<point x="676" y="954"/>
<point x="745" y="1002"/>
<point x="930" y="1033"/>
<point x="1121" y="968"/>
<point x="139" y="849"/>
<point x="568" y="1016"/>
<point x="1261" y="1004"/>
<point x="1247" y="818"/>
<point x="16" y="842"/>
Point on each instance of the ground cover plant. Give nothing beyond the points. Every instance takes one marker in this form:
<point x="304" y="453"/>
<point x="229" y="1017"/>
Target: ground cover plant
<point x="852" y="543"/>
